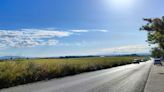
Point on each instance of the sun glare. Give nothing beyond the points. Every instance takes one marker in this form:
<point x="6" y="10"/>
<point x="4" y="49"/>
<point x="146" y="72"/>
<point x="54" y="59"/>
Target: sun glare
<point x="120" y="4"/>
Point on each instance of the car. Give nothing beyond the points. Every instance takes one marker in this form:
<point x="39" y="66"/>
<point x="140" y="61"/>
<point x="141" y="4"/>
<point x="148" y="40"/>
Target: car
<point x="136" y="61"/>
<point x="157" y="61"/>
<point x="144" y="60"/>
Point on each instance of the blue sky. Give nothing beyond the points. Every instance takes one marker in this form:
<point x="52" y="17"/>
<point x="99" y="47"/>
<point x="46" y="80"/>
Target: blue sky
<point x="74" y="27"/>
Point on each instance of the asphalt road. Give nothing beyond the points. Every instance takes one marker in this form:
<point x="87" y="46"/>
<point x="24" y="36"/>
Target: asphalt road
<point x="128" y="78"/>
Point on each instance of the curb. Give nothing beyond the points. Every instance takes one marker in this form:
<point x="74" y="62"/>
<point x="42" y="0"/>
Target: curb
<point x="147" y="77"/>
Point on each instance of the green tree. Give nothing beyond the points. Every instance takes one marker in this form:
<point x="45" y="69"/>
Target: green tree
<point x="156" y="52"/>
<point x="155" y="28"/>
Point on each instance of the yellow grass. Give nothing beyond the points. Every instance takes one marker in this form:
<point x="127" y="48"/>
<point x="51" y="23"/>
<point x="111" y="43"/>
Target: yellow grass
<point x="18" y="72"/>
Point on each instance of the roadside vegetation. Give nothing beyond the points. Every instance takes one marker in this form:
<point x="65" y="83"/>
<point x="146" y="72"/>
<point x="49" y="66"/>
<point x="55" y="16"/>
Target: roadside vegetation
<point x="155" y="29"/>
<point x="16" y="72"/>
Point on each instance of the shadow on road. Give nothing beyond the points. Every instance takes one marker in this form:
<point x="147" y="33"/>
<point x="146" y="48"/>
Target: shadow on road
<point x="161" y="73"/>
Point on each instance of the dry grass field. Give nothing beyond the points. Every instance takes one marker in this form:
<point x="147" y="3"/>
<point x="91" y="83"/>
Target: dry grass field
<point x="16" y="72"/>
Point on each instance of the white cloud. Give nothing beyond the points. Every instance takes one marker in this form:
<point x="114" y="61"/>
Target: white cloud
<point x="103" y="30"/>
<point x="125" y="49"/>
<point x="79" y="31"/>
<point x="36" y="37"/>
<point x="47" y="33"/>
<point x="128" y="49"/>
<point x="51" y="42"/>
<point x="92" y="30"/>
<point x="30" y="37"/>
<point x="81" y="44"/>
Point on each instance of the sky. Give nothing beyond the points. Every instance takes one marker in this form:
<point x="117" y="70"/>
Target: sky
<point x="41" y="28"/>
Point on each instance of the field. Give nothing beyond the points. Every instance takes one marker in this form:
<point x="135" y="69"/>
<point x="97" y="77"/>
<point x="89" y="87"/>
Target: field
<point x="16" y="72"/>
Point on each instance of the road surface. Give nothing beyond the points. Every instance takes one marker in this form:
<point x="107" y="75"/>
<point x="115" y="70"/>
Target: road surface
<point x="128" y="78"/>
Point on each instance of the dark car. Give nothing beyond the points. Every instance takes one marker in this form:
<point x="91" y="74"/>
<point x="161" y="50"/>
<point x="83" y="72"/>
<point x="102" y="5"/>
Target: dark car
<point x="157" y="61"/>
<point x="143" y="60"/>
<point x="136" y="61"/>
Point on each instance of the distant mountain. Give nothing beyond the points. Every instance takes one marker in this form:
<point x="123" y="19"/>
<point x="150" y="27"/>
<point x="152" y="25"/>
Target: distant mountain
<point x="10" y="57"/>
<point x="102" y="55"/>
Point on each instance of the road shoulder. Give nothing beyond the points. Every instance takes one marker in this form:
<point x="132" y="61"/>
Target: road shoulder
<point x="155" y="81"/>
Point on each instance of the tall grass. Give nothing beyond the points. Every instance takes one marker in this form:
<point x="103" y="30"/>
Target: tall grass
<point x="26" y="71"/>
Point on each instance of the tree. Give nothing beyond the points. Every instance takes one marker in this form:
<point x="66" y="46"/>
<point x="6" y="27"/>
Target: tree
<point x="155" y="28"/>
<point x="156" y="52"/>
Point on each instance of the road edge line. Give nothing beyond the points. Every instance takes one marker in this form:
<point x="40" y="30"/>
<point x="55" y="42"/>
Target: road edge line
<point x="147" y="77"/>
